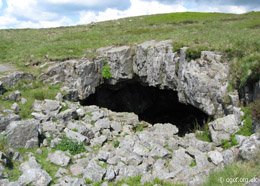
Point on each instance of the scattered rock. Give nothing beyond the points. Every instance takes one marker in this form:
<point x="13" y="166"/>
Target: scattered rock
<point x="19" y="132"/>
<point x="250" y="147"/>
<point x="59" y="158"/>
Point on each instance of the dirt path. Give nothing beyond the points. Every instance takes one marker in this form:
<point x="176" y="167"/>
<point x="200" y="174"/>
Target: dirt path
<point x="5" y="67"/>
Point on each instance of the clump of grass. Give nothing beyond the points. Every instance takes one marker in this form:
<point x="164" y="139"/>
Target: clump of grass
<point x="193" y="163"/>
<point x="116" y="144"/>
<point x="229" y="143"/>
<point x="139" y="128"/>
<point x="71" y="145"/>
<point x="203" y="133"/>
<point x="254" y="109"/>
<point x="3" y="144"/>
<point x="193" y="53"/>
<point x="176" y="47"/>
<point x="247" y="128"/>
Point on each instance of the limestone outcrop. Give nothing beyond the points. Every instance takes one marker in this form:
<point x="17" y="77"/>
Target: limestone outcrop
<point x="200" y="82"/>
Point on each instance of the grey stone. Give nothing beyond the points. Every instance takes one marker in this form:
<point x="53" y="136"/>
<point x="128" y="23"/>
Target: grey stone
<point x="30" y="164"/>
<point x="59" y="158"/>
<point x="67" y="115"/>
<point x="36" y="177"/>
<point x="216" y="157"/>
<point x="103" y="155"/>
<point x="70" y="181"/>
<point x="19" y="132"/>
<point x="50" y="107"/>
<point x="5" y="121"/>
<point x="76" y="169"/>
<point x="102" y="124"/>
<point x="23" y="100"/>
<point x="11" y="79"/>
<point x="94" y="172"/>
<point x="159" y="151"/>
<point x="165" y="129"/>
<point x="221" y="128"/>
<point x="253" y="182"/>
<point x="37" y="106"/>
<point x="250" y="147"/>
<point x="110" y="174"/>
<point x="76" y="136"/>
<point x="40" y="116"/>
<point x="16" y="108"/>
<point x="14" y="96"/>
<point x="32" y="143"/>
<point x="61" y="172"/>
<point x="99" y="141"/>
<point x="116" y="126"/>
<point x="228" y="156"/>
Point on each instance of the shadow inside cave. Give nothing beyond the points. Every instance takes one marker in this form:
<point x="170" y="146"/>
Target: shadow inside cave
<point x="150" y="103"/>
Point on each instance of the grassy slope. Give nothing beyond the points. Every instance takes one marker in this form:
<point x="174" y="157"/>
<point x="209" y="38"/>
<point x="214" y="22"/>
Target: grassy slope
<point x="237" y="35"/>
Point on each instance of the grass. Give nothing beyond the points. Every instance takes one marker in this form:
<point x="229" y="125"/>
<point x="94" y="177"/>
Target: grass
<point x="35" y="90"/>
<point x="71" y="145"/>
<point x="236" y="35"/>
<point x="238" y="171"/>
<point x="203" y="134"/>
<point x="229" y="143"/>
<point x="247" y="128"/>
<point x="136" y="181"/>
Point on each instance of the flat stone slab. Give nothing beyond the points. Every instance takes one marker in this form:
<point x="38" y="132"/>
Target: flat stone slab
<point x="5" y="68"/>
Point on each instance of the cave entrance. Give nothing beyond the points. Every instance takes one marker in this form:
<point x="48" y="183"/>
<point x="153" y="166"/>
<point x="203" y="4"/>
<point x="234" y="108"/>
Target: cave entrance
<point x="149" y="103"/>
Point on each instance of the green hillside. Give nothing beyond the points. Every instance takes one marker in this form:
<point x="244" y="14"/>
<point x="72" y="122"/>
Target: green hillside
<point x="238" y="36"/>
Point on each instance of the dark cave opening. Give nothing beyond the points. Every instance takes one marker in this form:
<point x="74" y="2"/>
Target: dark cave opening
<point x="150" y="103"/>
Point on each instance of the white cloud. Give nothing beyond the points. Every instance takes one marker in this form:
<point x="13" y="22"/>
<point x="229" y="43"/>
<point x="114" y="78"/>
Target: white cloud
<point x="54" y="13"/>
<point x="27" y="10"/>
<point x="138" y="7"/>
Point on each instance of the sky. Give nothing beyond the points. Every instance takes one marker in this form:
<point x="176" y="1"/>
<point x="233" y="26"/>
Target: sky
<point x="55" y="13"/>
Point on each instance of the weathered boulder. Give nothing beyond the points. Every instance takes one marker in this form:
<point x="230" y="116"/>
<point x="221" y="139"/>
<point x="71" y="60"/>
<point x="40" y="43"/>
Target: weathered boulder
<point x="222" y="128"/>
<point x="94" y="172"/>
<point x="250" y="147"/>
<point x="18" y="133"/>
<point x="37" y="177"/>
<point x="33" y="174"/>
<point x="203" y="82"/>
<point x="11" y="79"/>
<point x="70" y="181"/>
<point x="5" y="121"/>
<point x="59" y="158"/>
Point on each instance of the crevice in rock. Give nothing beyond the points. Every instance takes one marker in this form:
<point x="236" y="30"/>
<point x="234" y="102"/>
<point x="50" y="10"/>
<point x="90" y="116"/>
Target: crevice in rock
<point x="150" y="103"/>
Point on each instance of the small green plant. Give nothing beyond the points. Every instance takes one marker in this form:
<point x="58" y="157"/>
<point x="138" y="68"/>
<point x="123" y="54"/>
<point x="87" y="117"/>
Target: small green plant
<point x="71" y="145"/>
<point x="193" y="163"/>
<point x="64" y="107"/>
<point x="106" y="73"/>
<point x="202" y="133"/>
<point x="247" y="128"/>
<point x="176" y="47"/>
<point x="3" y="144"/>
<point x="193" y="53"/>
<point x="229" y="143"/>
<point x="92" y="123"/>
<point x="75" y="130"/>
<point x="139" y="128"/>
<point x="254" y="109"/>
<point x="116" y="144"/>
<point x="88" y="181"/>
